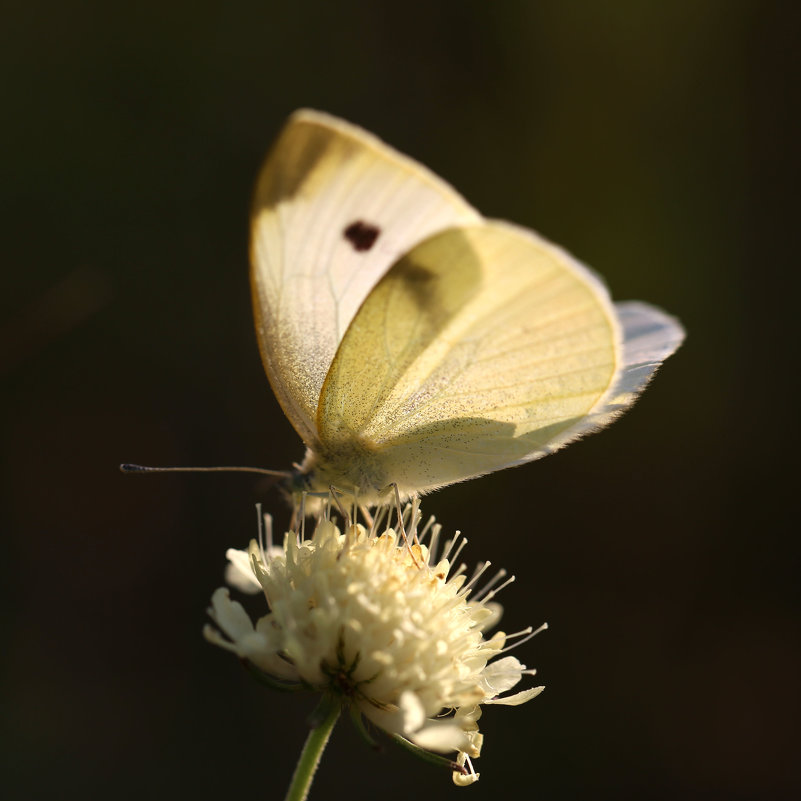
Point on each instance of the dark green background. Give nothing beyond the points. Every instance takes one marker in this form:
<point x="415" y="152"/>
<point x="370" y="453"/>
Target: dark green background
<point x="656" y="140"/>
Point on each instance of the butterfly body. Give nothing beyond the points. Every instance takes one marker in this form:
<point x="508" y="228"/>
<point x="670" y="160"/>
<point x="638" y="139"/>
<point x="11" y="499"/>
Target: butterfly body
<point x="414" y="343"/>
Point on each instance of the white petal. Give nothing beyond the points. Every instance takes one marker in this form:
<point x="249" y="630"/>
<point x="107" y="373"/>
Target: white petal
<point x="229" y="615"/>
<point x="391" y="722"/>
<point x="215" y="638"/>
<point x="271" y="663"/>
<point x="414" y="715"/>
<point x="238" y="572"/>
<point x="517" y="698"/>
<point x="255" y="648"/>
<point x="254" y="644"/>
<point x="467" y="717"/>
<point x="442" y="736"/>
<point x="493" y="618"/>
<point x="476" y="743"/>
<point x="501" y="675"/>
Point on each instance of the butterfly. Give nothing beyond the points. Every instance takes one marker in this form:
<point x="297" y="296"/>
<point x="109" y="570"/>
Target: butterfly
<point x="411" y="342"/>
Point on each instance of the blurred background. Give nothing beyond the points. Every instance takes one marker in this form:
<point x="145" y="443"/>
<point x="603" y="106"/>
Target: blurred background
<point x="657" y="141"/>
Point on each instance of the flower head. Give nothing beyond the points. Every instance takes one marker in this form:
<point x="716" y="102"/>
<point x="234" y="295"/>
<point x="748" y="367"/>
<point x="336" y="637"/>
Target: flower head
<point x="377" y="618"/>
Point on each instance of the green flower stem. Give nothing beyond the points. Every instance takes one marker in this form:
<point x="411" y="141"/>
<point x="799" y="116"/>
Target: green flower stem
<point x="313" y="749"/>
<point x="427" y="756"/>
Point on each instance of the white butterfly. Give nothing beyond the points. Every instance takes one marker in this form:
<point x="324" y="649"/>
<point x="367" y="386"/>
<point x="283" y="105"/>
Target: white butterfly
<point x="410" y="341"/>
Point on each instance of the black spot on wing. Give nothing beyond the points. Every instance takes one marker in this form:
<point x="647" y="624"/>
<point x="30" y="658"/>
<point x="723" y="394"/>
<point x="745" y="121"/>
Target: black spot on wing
<point x="361" y="235"/>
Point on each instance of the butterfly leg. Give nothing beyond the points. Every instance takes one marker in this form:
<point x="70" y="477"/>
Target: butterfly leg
<point x="335" y="495"/>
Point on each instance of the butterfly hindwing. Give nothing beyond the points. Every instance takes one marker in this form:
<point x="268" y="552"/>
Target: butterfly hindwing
<point x="474" y="352"/>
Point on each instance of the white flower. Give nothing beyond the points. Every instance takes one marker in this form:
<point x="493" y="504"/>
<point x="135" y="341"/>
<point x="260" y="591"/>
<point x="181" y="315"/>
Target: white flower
<point x="375" y="619"/>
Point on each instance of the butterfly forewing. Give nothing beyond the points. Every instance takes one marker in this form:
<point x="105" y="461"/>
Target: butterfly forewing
<point x="334" y="208"/>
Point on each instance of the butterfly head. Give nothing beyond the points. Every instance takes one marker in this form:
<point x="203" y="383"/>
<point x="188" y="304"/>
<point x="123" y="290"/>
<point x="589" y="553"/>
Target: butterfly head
<point x="351" y="476"/>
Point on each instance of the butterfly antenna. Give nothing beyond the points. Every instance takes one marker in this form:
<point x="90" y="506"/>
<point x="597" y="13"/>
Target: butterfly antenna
<point x="140" y="468"/>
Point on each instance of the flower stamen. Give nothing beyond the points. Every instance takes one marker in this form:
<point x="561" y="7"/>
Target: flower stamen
<point x="527" y="634"/>
<point x="484" y="591"/>
<point x="490" y="595"/>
